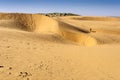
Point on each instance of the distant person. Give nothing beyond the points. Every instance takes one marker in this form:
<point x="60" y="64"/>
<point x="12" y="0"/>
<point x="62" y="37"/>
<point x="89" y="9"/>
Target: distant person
<point x="90" y="29"/>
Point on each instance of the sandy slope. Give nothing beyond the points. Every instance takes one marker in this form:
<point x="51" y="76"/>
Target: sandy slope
<point x="104" y="31"/>
<point x="31" y="22"/>
<point x="58" y="53"/>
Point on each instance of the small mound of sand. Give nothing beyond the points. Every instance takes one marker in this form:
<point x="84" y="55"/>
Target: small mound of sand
<point x="79" y="38"/>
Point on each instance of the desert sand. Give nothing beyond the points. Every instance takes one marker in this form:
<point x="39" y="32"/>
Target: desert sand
<point x="36" y="47"/>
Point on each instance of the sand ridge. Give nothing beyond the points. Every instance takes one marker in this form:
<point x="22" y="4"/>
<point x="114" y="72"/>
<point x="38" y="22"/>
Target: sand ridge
<point x="36" y="47"/>
<point x="78" y="35"/>
<point x="43" y="24"/>
<point x="103" y="31"/>
<point x="69" y="28"/>
<point x="32" y="22"/>
<point x="95" y="18"/>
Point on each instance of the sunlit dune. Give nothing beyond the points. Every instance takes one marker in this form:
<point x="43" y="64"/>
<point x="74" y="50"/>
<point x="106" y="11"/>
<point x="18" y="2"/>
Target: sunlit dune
<point x="37" y="47"/>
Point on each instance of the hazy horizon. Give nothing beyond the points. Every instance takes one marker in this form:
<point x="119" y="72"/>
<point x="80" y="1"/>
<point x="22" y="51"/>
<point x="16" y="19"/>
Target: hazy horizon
<point x="82" y="7"/>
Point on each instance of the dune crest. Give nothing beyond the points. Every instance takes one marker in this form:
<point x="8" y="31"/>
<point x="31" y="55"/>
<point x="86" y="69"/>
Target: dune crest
<point x="43" y="24"/>
<point x="78" y="35"/>
<point x="79" y="38"/>
<point x="96" y="18"/>
<point x="32" y="22"/>
<point x="71" y="28"/>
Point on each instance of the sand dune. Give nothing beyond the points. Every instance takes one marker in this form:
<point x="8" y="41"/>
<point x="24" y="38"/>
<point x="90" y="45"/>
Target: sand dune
<point x="42" y="24"/>
<point x="78" y="35"/>
<point x="104" y="31"/>
<point x="67" y="27"/>
<point x="32" y="22"/>
<point x="96" y="18"/>
<point x="36" y="47"/>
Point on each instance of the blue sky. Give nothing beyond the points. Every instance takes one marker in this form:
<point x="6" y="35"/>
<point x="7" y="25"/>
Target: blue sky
<point x="83" y="7"/>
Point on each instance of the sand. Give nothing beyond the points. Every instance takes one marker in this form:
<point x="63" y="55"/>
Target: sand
<point x="36" y="47"/>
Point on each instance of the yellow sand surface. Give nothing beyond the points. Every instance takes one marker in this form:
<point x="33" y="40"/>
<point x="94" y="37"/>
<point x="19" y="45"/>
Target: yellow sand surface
<point x="36" y="47"/>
